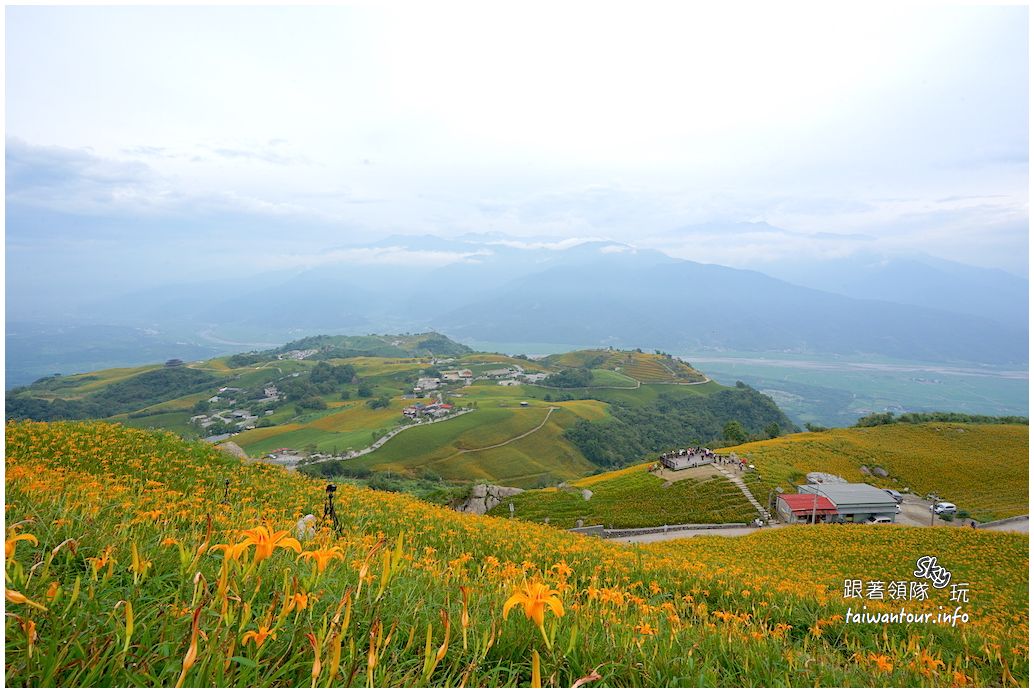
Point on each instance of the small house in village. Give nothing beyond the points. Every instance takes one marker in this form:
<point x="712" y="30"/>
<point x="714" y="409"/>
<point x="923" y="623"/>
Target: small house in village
<point x="500" y="373"/>
<point x="456" y="375"/>
<point x="425" y="384"/>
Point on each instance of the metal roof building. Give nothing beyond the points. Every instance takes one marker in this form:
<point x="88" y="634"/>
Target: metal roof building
<point x="855" y="502"/>
<point x="801" y="507"/>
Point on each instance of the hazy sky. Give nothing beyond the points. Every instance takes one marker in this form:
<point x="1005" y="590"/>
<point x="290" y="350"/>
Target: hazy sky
<point x="200" y="135"/>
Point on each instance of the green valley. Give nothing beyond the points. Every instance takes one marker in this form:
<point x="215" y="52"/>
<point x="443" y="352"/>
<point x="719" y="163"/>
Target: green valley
<point x="419" y="406"/>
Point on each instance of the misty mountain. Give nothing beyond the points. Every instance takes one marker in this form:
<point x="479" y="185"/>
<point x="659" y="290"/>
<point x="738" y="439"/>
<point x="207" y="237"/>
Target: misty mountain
<point x="491" y="288"/>
<point x="690" y="306"/>
<point x="919" y="280"/>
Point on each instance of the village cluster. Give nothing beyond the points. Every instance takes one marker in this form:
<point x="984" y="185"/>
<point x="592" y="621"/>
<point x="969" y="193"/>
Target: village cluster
<point x="241" y="419"/>
<point x="510" y="376"/>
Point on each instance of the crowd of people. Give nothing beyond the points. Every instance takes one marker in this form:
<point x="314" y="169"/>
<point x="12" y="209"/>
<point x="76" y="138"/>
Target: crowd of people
<point x="704" y="454"/>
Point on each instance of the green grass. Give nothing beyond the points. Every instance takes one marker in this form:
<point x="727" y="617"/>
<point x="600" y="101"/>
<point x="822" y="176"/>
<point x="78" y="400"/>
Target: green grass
<point x="605" y="378"/>
<point x="634" y="497"/>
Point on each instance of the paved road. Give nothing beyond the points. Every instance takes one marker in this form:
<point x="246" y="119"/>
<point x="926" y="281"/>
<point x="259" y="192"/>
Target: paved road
<point x="1012" y="526"/>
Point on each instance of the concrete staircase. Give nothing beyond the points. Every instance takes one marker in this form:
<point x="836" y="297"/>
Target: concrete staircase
<point x="738" y="482"/>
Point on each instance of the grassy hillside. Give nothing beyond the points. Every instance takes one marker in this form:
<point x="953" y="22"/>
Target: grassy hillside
<point x="633" y="497"/>
<point x="647" y="368"/>
<point x="981" y="468"/>
<point x="128" y="564"/>
<point x="500" y="440"/>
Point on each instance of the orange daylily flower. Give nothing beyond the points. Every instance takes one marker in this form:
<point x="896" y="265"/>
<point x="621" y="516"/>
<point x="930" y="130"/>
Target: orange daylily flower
<point x="645" y="629"/>
<point x="959" y="679"/>
<point x="299" y="601"/>
<point x="264" y="539"/>
<point x="322" y="556"/>
<point x="231" y="552"/>
<point x="883" y="662"/>
<point x="259" y="636"/>
<point x="535" y="598"/>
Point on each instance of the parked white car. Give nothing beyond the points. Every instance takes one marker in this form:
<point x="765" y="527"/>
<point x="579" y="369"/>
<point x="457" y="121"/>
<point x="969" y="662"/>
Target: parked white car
<point x="881" y="520"/>
<point x="943" y="507"/>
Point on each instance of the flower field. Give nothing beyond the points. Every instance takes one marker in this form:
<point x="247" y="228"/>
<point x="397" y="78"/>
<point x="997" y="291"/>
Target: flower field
<point x="982" y="468"/>
<point x="135" y="559"/>
<point x="633" y="497"/>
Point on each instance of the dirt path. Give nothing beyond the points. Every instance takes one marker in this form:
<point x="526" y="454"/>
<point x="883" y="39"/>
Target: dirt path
<point x="506" y="442"/>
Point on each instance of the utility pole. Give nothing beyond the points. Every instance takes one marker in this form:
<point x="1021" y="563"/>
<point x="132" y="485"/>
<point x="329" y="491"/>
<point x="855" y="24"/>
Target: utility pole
<point x="814" y="506"/>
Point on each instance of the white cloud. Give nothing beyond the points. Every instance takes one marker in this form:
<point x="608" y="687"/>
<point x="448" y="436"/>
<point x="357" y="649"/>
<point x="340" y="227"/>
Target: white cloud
<point x="392" y="255"/>
<point x="551" y="123"/>
<point x="545" y="245"/>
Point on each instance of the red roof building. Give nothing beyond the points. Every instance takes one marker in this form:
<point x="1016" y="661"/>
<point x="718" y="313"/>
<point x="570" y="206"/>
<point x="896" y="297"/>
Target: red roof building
<point x="800" y="507"/>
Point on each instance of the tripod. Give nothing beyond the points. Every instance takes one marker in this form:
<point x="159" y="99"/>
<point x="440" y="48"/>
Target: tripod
<point x="328" y="509"/>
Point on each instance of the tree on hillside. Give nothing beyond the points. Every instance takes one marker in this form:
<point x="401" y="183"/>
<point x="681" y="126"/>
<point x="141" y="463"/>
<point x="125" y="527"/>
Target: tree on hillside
<point x="734" y="432"/>
<point x="570" y="377"/>
<point x="772" y="430"/>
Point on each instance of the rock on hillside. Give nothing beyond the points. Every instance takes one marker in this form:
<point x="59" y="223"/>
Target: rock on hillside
<point x="233" y="449"/>
<point x="484" y="497"/>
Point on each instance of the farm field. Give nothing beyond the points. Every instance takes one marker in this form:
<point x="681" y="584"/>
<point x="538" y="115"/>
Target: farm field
<point x="128" y="548"/>
<point x="633" y="497"/>
<point x="351" y="426"/>
<point x="982" y="468"/>
<point x="452" y="449"/>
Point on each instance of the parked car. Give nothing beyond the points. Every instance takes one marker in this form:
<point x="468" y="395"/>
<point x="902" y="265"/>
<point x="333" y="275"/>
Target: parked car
<point x="893" y="494"/>
<point x="880" y="520"/>
<point x="943" y="507"/>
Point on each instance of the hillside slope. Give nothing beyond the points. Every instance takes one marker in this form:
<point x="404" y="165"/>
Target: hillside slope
<point x="141" y="543"/>
<point x="982" y="468"/>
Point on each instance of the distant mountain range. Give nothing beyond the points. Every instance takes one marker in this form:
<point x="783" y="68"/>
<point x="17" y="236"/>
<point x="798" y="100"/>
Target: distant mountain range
<point x="488" y="288"/>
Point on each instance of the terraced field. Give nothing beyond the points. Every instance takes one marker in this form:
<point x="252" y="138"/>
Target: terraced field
<point x="982" y="468"/>
<point x="646" y="368"/>
<point x="633" y="497"/>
